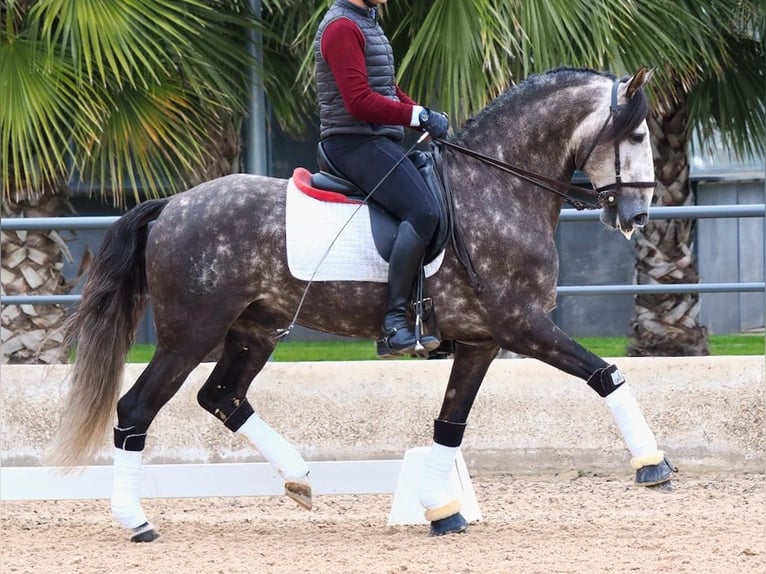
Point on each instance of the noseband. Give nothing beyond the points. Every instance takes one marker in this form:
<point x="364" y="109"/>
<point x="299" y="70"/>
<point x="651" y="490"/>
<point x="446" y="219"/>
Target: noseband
<point x="578" y="197"/>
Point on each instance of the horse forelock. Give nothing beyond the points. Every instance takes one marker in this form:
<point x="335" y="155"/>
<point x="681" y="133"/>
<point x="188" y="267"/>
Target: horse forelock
<point x="629" y="116"/>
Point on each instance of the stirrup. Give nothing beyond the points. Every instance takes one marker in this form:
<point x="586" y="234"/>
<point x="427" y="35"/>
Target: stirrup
<point x="420" y="346"/>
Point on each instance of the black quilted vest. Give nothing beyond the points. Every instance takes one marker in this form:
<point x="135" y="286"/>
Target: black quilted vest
<point x="333" y="116"/>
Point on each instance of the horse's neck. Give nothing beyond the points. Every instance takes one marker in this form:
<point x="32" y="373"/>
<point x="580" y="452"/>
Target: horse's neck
<point x="535" y="127"/>
<point x="484" y="193"/>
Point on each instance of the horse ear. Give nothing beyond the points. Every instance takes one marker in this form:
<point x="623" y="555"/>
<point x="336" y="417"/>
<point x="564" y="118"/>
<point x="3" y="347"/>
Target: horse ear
<point x="638" y="81"/>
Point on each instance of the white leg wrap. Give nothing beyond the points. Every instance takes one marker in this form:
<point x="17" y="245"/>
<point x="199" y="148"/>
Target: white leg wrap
<point x="274" y="448"/>
<point x="434" y="484"/>
<point x="631" y="422"/>
<point x="126" y="505"/>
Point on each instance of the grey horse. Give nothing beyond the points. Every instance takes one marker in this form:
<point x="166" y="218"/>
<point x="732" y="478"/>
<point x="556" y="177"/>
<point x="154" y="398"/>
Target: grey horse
<point x="213" y="263"/>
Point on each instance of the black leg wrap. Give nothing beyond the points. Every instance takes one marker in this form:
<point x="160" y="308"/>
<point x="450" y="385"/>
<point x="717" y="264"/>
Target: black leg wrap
<point x="238" y="417"/>
<point x="605" y="381"/>
<point x="132" y="438"/>
<point x="447" y="433"/>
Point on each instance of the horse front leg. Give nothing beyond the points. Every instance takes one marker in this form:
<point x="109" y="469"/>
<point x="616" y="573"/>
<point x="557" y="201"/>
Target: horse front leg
<point x="540" y="338"/>
<point x="468" y="370"/>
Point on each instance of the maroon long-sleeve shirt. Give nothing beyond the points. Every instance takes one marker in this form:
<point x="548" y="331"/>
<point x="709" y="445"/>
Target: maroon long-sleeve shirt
<point x="342" y="47"/>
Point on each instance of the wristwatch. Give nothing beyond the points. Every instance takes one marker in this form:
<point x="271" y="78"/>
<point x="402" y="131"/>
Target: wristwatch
<point x="424" y="115"/>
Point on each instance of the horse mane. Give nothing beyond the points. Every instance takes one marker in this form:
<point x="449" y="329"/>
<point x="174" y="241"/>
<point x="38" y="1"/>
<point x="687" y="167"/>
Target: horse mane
<point x="627" y="119"/>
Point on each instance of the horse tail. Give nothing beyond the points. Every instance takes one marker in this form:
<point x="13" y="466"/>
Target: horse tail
<point x="103" y="329"/>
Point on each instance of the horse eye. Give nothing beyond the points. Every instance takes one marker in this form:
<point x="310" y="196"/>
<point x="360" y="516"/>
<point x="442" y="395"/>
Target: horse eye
<point x="636" y="138"/>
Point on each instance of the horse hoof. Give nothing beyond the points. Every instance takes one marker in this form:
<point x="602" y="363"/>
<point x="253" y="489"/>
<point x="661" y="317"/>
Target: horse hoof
<point x="299" y="489"/>
<point x="666" y="486"/>
<point x="144" y="533"/>
<point x="655" y="475"/>
<point x="451" y="525"/>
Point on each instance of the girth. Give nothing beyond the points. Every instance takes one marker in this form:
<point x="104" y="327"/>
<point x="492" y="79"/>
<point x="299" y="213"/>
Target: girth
<point x="384" y="224"/>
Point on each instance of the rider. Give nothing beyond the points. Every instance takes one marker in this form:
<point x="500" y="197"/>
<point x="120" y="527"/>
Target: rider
<point x="362" y="111"/>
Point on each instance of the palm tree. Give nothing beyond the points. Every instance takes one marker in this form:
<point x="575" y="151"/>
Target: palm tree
<point x="130" y="97"/>
<point x="727" y="99"/>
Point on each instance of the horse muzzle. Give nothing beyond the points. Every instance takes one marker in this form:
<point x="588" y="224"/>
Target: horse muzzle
<point x="623" y="220"/>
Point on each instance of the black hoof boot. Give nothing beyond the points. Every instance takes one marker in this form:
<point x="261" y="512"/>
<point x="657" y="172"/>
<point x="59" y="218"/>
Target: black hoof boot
<point x="144" y="533"/>
<point x="656" y="476"/>
<point x="451" y="525"/>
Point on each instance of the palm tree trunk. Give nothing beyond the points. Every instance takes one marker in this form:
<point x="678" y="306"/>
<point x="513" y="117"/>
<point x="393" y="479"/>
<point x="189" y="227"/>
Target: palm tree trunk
<point x="32" y="264"/>
<point x="668" y="324"/>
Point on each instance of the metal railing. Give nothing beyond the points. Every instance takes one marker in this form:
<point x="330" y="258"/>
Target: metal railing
<point x="682" y="212"/>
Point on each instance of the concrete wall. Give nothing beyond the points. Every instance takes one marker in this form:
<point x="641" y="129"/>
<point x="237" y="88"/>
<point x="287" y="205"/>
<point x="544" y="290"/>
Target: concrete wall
<point x="707" y="413"/>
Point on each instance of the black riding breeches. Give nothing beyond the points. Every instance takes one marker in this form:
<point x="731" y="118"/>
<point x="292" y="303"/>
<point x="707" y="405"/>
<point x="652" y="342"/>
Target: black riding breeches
<point x="365" y="160"/>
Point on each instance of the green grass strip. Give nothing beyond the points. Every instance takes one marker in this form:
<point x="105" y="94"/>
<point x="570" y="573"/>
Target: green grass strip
<point x="297" y="351"/>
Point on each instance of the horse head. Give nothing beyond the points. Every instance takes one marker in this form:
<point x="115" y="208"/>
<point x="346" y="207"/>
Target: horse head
<point x="619" y="161"/>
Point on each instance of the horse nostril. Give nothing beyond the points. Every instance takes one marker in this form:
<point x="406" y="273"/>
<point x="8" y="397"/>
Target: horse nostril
<point x="640" y="219"/>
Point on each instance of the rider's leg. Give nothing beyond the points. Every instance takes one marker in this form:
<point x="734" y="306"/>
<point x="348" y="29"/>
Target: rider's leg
<point x="379" y="164"/>
<point x="396" y="336"/>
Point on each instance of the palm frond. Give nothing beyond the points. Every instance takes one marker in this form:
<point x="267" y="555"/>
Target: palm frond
<point x="729" y="108"/>
<point x="153" y="142"/>
<point x="42" y="114"/>
<point x="100" y="85"/>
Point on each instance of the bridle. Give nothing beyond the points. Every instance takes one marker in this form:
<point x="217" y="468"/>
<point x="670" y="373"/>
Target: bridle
<point x="606" y="194"/>
<point x="578" y="197"/>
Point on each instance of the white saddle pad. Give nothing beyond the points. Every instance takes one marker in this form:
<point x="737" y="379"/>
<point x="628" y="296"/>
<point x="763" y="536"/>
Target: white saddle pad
<point x="329" y="241"/>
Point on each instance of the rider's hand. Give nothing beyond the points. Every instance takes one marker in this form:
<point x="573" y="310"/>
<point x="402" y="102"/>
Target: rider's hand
<point x="435" y="123"/>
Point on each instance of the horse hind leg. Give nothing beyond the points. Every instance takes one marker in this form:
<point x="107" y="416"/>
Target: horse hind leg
<point x="223" y="395"/>
<point x="136" y="410"/>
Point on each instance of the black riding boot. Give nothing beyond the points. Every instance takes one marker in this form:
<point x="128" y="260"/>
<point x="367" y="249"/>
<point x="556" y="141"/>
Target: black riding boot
<point x="396" y="336"/>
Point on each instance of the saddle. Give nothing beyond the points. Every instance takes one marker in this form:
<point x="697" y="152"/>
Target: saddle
<point x="384" y="224"/>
